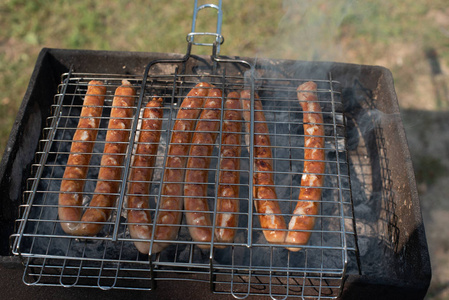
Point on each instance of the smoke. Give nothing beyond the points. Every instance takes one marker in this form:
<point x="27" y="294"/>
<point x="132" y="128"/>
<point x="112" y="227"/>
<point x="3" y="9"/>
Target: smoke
<point x="311" y="30"/>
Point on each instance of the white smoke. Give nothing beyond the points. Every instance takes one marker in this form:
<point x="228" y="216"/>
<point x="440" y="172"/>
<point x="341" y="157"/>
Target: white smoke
<point x="311" y="30"/>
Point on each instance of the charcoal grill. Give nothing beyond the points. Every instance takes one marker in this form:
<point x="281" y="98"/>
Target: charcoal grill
<point x="369" y="240"/>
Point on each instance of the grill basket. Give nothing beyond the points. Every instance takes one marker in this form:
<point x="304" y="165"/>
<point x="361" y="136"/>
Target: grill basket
<point x="248" y="266"/>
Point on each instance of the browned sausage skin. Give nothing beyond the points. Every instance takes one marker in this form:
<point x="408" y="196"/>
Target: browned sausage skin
<point x="195" y="189"/>
<point x="312" y="179"/>
<point x="116" y="143"/>
<point x="228" y="190"/>
<point x="264" y="192"/>
<point x="171" y="202"/>
<point x="72" y="185"/>
<point x="117" y="140"/>
<point x="139" y="217"/>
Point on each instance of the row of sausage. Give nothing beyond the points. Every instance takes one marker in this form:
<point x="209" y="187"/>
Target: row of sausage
<point x="184" y="187"/>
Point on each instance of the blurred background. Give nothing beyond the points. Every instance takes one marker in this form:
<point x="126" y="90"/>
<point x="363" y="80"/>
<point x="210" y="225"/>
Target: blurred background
<point x="409" y="37"/>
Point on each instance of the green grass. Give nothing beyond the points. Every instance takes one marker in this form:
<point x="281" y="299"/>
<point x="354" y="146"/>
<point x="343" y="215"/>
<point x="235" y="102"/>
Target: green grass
<point x="348" y="31"/>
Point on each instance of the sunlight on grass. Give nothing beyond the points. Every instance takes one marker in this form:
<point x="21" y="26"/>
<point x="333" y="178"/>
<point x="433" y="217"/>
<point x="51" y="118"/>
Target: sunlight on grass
<point x="368" y="32"/>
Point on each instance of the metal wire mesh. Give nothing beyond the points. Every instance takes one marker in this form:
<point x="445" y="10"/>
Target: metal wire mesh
<point x="247" y="266"/>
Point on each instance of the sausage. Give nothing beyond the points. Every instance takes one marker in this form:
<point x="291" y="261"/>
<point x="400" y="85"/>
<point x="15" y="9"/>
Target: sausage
<point x="314" y="166"/>
<point x="264" y="191"/>
<point x="109" y="175"/>
<point x="171" y="202"/>
<point x="229" y="177"/>
<point x="195" y="188"/>
<point x="72" y="184"/>
<point x="141" y="173"/>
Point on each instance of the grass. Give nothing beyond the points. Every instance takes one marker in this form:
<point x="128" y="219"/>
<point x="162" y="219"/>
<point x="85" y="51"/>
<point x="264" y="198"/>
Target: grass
<point x="390" y="33"/>
<point x="350" y="31"/>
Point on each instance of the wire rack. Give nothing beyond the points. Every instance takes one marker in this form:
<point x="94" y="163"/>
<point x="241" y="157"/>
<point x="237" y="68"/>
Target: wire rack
<point x="247" y="266"/>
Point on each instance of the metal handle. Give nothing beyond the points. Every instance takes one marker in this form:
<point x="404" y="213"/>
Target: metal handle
<point x="218" y="37"/>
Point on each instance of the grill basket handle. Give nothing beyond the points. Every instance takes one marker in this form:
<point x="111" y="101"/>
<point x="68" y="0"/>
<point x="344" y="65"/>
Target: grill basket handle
<point x="219" y="39"/>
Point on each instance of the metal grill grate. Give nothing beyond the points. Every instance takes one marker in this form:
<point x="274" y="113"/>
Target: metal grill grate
<point x="249" y="265"/>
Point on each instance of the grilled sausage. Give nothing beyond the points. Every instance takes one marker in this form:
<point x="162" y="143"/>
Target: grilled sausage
<point x="264" y="192"/>
<point x="195" y="188"/>
<point x="139" y="217"/>
<point x="72" y="184"/>
<point x="303" y="219"/>
<point x="116" y="143"/>
<point x="229" y="178"/>
<point x="171" y="203"/>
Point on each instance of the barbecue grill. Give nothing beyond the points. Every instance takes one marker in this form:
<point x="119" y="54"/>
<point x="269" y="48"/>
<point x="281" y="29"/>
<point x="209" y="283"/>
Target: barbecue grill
<point x="368" y="240"/>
